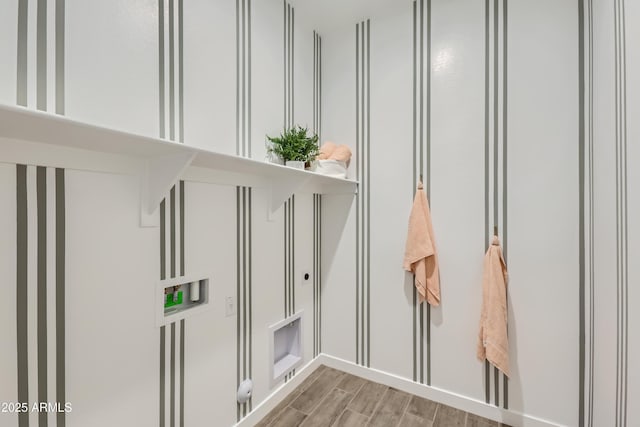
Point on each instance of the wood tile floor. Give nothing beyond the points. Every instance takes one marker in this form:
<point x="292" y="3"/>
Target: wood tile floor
<point x="329" y="397"/>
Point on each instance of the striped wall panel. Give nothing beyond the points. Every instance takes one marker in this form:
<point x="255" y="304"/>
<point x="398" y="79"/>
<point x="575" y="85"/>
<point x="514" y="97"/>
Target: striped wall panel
<point x="244" y="198"/>
<point x="317" y="200"/>
<point x="289" y="263"/>
<point x="363" y="139"/>
<point x="289" y="45"/>
<point x="606" y="152"/>
<point x="171" y="66"/>
<point x="605" y="158"/>
<point x="172" y="337"/>
<point x="243" y="78"/>
<point x="289" y="205"/>
<point x="40" y="292"/>
<point x="172" y="208"/>
<point x="622" y="217"/>
<point x="586" y="223"/>
<point x="47" y="91"/>
<point x="317" y="86"/>
<point x="421" y="169"/>
<point x="495" y="137"/>
<point x="317" y="274"/>
<point x="289" y="256"/>
<point x="495" y="161"/>
<point x="41" y="223"/>
<point x="244" y="323"/>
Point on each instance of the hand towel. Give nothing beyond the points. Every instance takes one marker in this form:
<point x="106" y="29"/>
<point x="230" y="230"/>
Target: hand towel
<point x="326" y="150"/>
<point x="420" y="256"/>
<point x="342" y="153"/>
<point x="493" y="343"/>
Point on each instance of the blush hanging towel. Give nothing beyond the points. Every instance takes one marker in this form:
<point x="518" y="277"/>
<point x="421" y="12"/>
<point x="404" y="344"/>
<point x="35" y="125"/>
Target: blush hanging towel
<point x="420" y="256"/>
<point x="493" y="343"/>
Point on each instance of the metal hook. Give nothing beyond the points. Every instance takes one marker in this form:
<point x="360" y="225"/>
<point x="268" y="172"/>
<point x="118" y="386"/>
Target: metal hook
<point x="495" y="230"/>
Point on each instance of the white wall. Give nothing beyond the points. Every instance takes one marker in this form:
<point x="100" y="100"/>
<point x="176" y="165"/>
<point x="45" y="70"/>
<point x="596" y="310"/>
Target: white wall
<point x="457" y="189"/>
<point x="8" y="43"/>
<point x="111" y="61"/>
<point x="209" y="74"/>
<point x="612" y="205"/>
<point x="112" y="78"/>
<point x="393" y="125"/>
<point x="543" y="201"/>
<point x="540" y="189"/>
<point x="110" y="334"/>
<point x="8" y="372"/>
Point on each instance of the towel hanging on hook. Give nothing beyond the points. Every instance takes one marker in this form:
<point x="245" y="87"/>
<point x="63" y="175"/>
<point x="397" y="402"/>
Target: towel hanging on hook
<point x="493" y="341"/>
<point x="420" y="256"/>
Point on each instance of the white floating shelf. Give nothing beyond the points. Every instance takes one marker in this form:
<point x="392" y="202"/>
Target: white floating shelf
<point x="165" y="162"/>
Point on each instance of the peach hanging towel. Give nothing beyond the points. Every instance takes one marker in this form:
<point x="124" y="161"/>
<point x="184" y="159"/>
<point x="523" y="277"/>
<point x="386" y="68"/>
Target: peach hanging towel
<point x="420" y="256"/>
<point x="493" y="343"/>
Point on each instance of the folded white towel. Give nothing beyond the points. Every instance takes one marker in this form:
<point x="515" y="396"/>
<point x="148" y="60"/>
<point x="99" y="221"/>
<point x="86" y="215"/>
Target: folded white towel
<point x="334" y="168"/>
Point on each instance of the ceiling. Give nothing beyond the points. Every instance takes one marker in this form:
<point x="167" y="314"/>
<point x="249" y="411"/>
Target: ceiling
<point x="328" y="15"/>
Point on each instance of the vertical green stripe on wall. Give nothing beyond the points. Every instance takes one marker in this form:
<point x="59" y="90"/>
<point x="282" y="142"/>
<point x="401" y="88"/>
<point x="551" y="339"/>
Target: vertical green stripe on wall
<point x="60" y="56"/>
<point x="581" y="214"/>
<point x="172" y="90"/>
<point x="21" y="291"/>
<point x="182" y="328"/>
<point x="238" y="280"/>
<point x="172" y="378"/>
<point x="161" y="74"/>
<point x="41" y="61"/>
<point x="358" y="168"/>
<point x="243" y="84"/>
<point x="162" y="376"/>
<point x="22" y="48"/>
<point x="247" y="77"/>
<point x="487" y="378"/>
<point x="182" y="322"/>
<point x="244" y="286"/>
<point x="505" y="180"/>
<point x="172" y="231"/>
<point x="495" y="113"/>
<point x="250" y="298"/>
<point x="181" y="70"/>
<point x="41" y="202"/>
<point x="182" y="221"/>
<point x="368" y="193"/>
<point x="362" y="199"/>
<point x="60" y="295"/>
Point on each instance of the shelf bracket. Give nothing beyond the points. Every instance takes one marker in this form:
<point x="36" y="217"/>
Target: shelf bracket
<point x="281" y="190"/>
<point x="159" y="175"/>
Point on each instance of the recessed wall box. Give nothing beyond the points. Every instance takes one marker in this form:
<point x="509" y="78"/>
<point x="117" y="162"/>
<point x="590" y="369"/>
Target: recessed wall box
<point x="285" y="347"/>
<point x="181" y="297"/>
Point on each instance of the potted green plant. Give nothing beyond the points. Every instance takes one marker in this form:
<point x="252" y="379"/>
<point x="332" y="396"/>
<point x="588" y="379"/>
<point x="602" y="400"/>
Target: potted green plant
<point x="295" y="146"/>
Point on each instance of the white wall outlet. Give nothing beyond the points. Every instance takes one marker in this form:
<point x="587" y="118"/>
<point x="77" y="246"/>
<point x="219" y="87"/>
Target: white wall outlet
<point x="230" y="306"/>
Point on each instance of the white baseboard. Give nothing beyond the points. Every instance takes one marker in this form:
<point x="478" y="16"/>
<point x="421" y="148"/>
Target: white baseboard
<point x="512" y="418"/>
<point x="271" y="401"/>
<point x="464" y="403"/>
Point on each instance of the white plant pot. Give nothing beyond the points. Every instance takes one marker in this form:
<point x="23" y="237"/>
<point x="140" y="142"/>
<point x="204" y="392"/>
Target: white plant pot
<point x="295" y="164"/>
